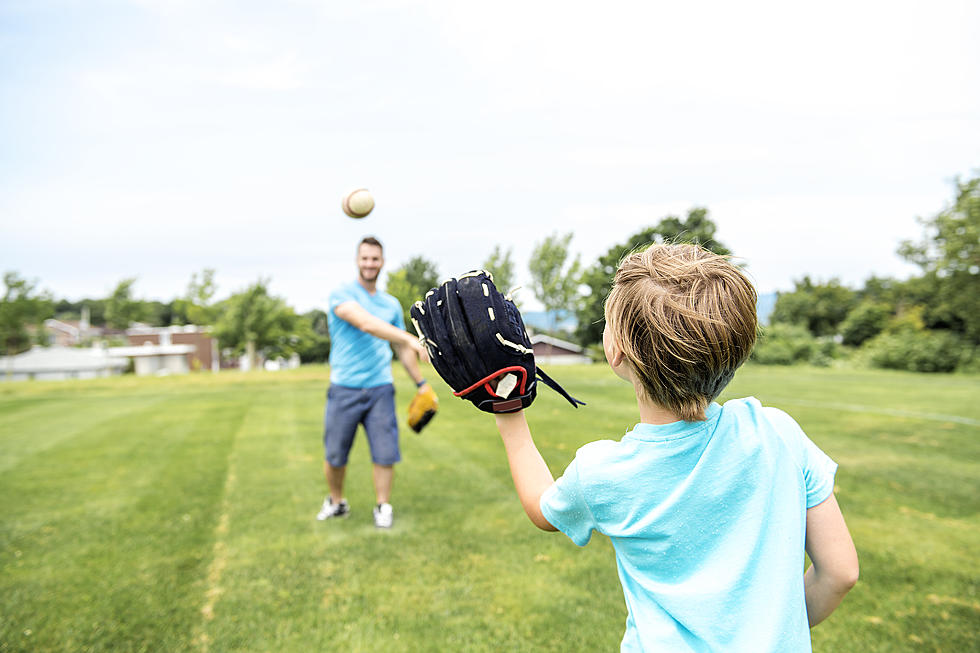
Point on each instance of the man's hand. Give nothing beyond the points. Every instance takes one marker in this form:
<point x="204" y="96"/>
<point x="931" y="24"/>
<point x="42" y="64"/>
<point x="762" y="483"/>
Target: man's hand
<point x="423" y="408"/>
<point x="421" y="351"/>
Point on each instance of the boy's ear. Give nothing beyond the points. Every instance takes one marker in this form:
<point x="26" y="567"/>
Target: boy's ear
<point x="616" y="355"/>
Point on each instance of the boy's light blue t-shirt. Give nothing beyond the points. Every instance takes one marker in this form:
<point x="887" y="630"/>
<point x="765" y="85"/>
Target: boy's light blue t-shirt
<point x="708" y="521"/>
<point x="358" y="359"/>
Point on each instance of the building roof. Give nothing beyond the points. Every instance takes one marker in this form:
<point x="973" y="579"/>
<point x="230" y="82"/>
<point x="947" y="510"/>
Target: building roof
<point x="61" y="359"/>
<point x="69" y="327"/>
<point x="146" y="330"/>
<point x="555" y="342"/>
<point x="153" y="350"/>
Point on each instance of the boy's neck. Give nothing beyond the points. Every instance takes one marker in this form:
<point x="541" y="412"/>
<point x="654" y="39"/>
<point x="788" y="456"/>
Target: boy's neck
<point x="651" y="413"/>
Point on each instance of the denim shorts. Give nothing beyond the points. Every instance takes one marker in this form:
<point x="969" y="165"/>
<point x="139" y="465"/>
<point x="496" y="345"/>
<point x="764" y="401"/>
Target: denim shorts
<point x="372" y="407"/>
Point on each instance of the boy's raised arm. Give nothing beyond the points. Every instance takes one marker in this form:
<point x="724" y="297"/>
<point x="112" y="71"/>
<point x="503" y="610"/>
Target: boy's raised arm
<point x="528" y="469"/>
<point x="835" y="564"/>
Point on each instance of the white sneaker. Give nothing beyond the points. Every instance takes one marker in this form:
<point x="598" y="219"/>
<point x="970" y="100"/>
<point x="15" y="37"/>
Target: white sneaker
<point x="331" y="509"/>
<point x="383" y="517"/>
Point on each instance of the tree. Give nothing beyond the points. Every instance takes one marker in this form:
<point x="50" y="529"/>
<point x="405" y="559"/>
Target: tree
<point x="554" y="280"/>
<point x="501" y="266"/>
<point x="254" y="321"/>
<point x="949" y="255"/>
<point x="121" y="309"/>
<point x="820" y="307"/>
<point x="696" y="228"/>
<point x="21" y="307"/>
<point x="316" y="347"/>
<point x="196" y="306"/>
<point x="410" y="282"/>
<point x="68" y="310"/>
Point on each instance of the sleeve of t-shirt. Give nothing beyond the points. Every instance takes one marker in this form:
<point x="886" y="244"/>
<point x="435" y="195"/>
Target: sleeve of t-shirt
<point x="399" y="320"/>
<point x="563" y="505"/>
<point x="339" y="296"/>
<point x="818" y="472"/>
<point x="818" y="468"/>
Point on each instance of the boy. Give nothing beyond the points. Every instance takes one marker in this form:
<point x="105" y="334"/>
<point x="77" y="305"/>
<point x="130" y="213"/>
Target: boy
<point x="709" y="507"/>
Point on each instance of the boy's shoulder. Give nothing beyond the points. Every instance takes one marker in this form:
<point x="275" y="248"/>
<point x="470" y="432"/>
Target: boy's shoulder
<point x="753" y="420"/>
<point x="597" y="450"/>
<point x="750" y="406"/>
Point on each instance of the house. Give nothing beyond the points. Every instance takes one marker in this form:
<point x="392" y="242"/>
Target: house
<point x="202" y="355"/>
<point x="68" y="333"/>
<point x="552" y="351"/>
<point x="150" y="359"/>
<point x="58" y="363"/>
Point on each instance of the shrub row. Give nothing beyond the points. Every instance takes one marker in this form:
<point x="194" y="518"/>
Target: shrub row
<point x="914" y="350"/>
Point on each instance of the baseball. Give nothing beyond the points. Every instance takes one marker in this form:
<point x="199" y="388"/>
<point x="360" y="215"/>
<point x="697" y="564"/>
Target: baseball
<point x="358" y="203"/>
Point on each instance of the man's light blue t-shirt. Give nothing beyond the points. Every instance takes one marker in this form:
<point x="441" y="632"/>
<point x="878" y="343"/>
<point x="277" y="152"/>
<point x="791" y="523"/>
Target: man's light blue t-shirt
<point x="358" y="359"/>
<point x="708" y="521"/>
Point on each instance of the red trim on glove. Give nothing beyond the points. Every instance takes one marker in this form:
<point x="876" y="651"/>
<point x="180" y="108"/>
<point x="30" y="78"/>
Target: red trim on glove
<point x="486" y="381"/>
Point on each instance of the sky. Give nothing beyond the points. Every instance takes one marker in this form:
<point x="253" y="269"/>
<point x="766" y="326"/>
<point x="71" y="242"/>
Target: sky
<point x="154" y="139"/>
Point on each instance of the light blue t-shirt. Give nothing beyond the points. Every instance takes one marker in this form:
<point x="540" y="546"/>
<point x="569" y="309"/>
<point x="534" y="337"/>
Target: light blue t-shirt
<point x="358" y="359"/>
<point x="708" y="521"/>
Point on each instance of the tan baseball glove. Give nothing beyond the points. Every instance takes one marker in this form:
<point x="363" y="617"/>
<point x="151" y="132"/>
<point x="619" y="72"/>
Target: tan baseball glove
<point x="423" y="408"/>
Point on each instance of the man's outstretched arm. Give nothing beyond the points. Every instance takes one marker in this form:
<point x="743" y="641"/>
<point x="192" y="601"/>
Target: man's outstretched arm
<point x="357" y="316"/>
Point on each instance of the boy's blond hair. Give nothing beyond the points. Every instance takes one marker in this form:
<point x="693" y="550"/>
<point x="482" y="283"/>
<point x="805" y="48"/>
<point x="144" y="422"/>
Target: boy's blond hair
<point x="685" y="318"/>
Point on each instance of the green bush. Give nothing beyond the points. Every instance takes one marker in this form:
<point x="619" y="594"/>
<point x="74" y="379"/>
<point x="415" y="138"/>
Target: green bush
<point x="788" y="344"/>
<point x="826" y="351"/>
<point x="918" y="350"/>
<point x="866" y="321"/>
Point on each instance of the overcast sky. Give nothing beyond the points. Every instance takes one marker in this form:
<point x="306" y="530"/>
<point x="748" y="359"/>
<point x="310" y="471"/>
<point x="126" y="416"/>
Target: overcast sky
<point x="158" y="138"/>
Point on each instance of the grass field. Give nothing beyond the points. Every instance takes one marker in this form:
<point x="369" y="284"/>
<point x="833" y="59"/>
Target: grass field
<point x="176" y="514"/>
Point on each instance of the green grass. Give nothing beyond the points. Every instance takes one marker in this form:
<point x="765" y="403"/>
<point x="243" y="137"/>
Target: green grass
<point x="177" y="514"/>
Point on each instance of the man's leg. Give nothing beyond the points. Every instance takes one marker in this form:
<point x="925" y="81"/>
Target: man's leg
<point x="384" y="476"/>
<point x="335" y="480"/>
<point x="381" y="426"/>
<point x="345" y="406"/>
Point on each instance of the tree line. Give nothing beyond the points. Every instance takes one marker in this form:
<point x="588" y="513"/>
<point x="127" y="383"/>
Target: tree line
<point x="927" y="323"/>
<point x="930" y="322"/>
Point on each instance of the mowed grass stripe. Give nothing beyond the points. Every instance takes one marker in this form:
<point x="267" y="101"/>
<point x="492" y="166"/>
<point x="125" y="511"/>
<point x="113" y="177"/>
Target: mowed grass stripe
<point x="106" y="528"/>
<point x="269" y="509"/>
<point x="63" y="418"/>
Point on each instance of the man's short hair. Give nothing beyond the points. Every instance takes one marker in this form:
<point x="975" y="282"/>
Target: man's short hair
<point x="370" y="240"/>
<point x="685" y="318"/>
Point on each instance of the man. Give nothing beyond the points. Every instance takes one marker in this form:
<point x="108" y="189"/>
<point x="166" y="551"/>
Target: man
<point x="363" y="321"/>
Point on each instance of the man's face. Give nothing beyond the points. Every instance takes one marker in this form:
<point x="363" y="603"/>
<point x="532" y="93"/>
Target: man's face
<point x="369" y="262"/>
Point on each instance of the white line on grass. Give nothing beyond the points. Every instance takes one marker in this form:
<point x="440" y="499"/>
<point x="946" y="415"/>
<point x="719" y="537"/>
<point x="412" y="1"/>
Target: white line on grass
<point x="891" y="412"/>
<point x="219" y="559"/>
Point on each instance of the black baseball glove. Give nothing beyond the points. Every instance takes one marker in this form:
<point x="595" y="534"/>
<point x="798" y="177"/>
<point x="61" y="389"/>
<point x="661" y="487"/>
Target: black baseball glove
<point x="477" y="343"/>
